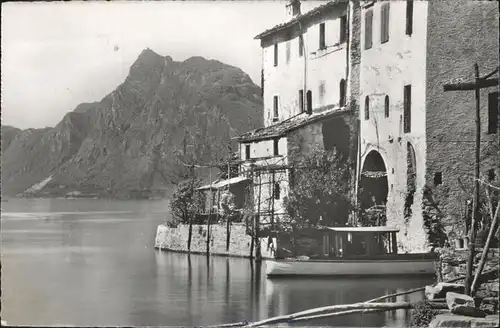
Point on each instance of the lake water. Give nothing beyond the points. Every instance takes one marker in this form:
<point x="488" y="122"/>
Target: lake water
<point x="92" y="262"/>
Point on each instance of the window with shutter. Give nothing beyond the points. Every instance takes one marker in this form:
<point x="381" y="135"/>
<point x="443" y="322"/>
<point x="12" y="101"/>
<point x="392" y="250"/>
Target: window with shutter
<point x="386" y="106"/>
<point x="301" y="45"/>
<point x="276" y="54"/>
<point x="342" y="92"/>
<point x="368" y="28"/>
<point x="262" y="83"/>
<point x="301" y="100"/>
<point x="367" y="108"/>
<point x="247" y="151"/>
<point x="275" y="105"/>
<point x="493" y="113"/>
<point x="409" y="17"/>
<point x="343" y="29"/>
<point x="288" y="52"/>
<point x="309" y="102"/>
<point x="407" y="109"/>
<point x="384" y="30"/>
<point x="322" y="43"/>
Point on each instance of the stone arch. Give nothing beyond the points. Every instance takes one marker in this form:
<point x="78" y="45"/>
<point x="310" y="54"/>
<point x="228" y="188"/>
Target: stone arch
<point x="374" y="188"/>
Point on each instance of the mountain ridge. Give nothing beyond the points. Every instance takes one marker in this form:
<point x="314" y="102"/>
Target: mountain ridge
<point x="110" y="147"/>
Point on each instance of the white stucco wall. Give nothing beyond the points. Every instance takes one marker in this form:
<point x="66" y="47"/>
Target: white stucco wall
<point x="385" y="70"/>
<point x="325" y="67"/>
<point x="263" y="148"/>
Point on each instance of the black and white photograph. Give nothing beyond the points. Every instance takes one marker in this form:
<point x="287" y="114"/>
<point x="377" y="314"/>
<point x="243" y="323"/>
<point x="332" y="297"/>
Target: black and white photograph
<point x="244" y="163"/>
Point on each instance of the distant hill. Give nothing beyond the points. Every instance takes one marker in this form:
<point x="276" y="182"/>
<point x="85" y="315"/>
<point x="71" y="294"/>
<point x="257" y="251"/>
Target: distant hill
<point x="8" y="134"/>
<point x="131" y="139"/>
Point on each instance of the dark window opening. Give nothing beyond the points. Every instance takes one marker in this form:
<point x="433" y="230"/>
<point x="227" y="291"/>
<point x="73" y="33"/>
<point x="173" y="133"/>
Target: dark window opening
<point x="309" y="102"/>
<point x="262" y="83"/>
<point x="342" y="93"/>
<point x="301" y="100"/>
<point x="493" y="112"/>
<point x="247" y="151"/>
<point x="343" y="29"/>
<point x="491" y="175"/>
<point x="438" y="178"/>
<point x="322" y="43"/>
<point x="301" y="45"/>
<point x="368" y="29"/>
<point x="275" y="147"/>
<point x="407" y="109"/>
<point x="277" y="190"/>
<point x="288" y="52"/>
<point x="386" y="106"/>
<point x="276" y="55"/>
<point x="296" y="8"/>
<point x="322" y="90"/>
<point x="384" y="26"/>
<point x="275" y="107"/>
<point x="409" y="17"/>
<point x="367" y="108"/>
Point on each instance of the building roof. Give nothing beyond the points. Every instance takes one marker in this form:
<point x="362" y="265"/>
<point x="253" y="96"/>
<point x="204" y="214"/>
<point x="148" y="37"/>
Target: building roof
<point x="363" y="229"/>
<point x="281" y="128"/>
<point x="224" y="183"/>
<point x="309" y="14"/>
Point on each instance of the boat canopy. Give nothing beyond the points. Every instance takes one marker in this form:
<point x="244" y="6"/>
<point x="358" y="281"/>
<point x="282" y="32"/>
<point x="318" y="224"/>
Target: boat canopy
<point x="363" y="229"/>
<point x="224" y="183"/>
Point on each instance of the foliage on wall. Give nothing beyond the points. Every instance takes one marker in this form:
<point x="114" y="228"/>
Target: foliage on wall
<point x="186" y="201"/>
<point x="320" y="195"/>
<point x="411" y="182"/>
<point x="433" y="219"/>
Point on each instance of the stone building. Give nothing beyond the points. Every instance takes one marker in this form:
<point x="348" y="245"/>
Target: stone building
<point x="412" y="132"/>
<point x="366" y="77"/>
<point x="306" y="78"/>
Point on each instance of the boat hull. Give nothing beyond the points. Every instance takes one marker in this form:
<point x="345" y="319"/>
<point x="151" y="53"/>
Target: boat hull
<point x="379" y="267"/>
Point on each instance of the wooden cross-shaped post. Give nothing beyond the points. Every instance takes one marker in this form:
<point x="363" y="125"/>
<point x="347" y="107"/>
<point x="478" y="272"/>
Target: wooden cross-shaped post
<point x="477" y="85"/>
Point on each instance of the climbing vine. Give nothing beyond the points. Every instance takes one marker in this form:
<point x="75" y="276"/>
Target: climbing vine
<point x="433" y="216"/>
<point x="410" y="182"/>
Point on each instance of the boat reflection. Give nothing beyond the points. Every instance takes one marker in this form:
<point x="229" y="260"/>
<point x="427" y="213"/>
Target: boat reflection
<point x="285" y="296"/>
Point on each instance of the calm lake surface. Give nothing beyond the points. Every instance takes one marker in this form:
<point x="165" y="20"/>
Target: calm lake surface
<point x="92" y="262"/>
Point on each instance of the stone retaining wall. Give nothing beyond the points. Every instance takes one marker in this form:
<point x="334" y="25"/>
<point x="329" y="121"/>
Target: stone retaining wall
<point x="453" y="263"/>
<point x="175" y="239"/>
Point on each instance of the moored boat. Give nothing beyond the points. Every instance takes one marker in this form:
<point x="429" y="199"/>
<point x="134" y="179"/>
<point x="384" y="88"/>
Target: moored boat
<point x="356" y="251"/>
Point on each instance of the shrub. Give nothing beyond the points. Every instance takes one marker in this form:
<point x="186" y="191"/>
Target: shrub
<point x="422" y="314"/>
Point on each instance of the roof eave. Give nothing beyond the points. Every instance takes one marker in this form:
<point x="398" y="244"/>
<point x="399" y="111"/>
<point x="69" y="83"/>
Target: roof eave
<point x="313" y="12"/>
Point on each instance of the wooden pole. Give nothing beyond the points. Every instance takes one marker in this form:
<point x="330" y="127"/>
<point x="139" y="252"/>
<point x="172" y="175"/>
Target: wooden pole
<point x="469" y="86"/>
<point x="253" y="215"/>
<point x="322" y="310"/>
<point x="190" y="233"/>
<point x="229" y="215"/>
<point x="475" y="212"/>
<point x="209" y="211"/>
<point x="486" y="249"/>
<point x="258" y="255"/>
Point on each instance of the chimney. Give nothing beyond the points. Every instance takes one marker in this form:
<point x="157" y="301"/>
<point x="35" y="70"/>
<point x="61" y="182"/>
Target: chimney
<point x="292" y="9"/>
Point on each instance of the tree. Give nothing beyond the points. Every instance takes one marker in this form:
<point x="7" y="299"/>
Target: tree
<point x="232" y="165"/>
<point x="185" y="202"/>
<point x="320" y="192"/>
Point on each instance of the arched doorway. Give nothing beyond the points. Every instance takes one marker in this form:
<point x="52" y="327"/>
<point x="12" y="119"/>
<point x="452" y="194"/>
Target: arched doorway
<point x="373" y="190"/>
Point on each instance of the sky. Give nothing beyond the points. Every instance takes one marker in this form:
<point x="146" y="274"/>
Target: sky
<point x="58" y="55"/>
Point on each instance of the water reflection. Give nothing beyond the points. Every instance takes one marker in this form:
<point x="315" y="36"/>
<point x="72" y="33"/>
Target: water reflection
<point x="104" y="271"/>
<point x="293" y="295"/>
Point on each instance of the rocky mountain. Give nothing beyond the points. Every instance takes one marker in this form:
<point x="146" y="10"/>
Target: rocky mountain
<point x="133" y="138"/>
<point x="8" y="134"/>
